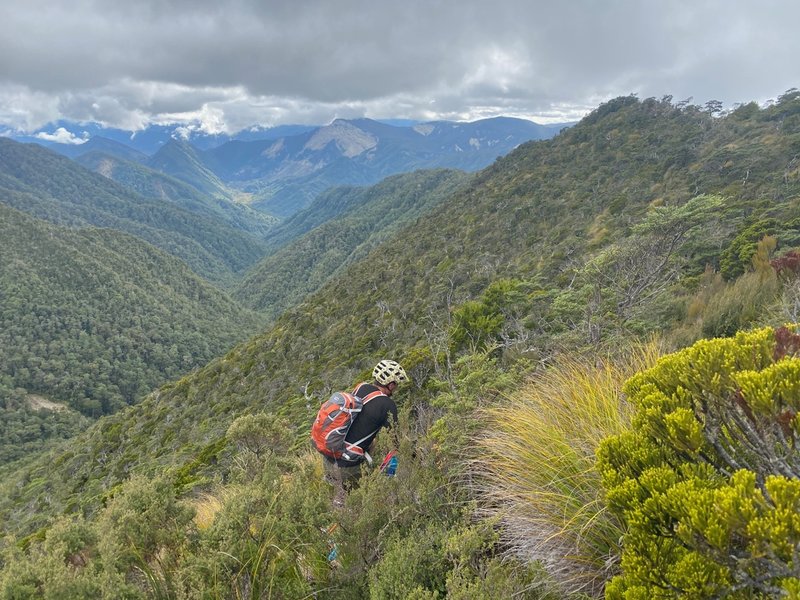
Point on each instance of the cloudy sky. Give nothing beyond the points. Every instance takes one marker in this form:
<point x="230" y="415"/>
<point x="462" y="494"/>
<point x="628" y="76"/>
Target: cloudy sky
<point x="223" y="66"/>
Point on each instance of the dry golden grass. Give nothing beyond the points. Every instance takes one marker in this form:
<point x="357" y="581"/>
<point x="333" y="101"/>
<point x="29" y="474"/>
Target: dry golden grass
<point x="539" y="462"/>
<point x="206" y="507"/>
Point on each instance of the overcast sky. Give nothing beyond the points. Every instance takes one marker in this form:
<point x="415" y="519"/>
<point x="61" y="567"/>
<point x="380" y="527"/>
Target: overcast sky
<point x="227" y="65"/>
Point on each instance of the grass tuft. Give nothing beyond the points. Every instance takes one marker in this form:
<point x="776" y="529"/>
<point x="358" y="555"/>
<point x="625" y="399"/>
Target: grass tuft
<point x="206" y="507"/>
<point x="538" y="458"/>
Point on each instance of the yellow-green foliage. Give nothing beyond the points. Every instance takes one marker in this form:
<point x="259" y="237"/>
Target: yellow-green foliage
<point x="706" y="481"/>
<point x="539" y="459"/>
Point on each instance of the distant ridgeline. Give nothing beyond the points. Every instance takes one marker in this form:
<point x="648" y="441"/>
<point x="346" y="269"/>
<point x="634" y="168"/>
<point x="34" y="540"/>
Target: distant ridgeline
<point x="644" y="218"/>
<point x="288" y="168"/>
<point x="340" y="227"/>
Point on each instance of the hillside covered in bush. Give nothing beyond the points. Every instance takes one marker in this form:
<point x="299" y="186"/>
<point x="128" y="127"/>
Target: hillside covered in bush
<point x="339" y="228"/>
<point x="93" y="319"/>
<point x="646" y="219"/>
<point x="149" y="183"/>
<point x="56" y="189"/>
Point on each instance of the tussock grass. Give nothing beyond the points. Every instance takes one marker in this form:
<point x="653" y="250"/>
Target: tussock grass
<point x="206" y="507"/>
<point x="538" y="458"/>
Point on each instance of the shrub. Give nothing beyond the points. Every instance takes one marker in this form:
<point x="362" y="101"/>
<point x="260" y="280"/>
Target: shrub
<point x="260" y="438"/>
<point x="736" y="258"/>
<point x="143" y="533"/>
<point x="478" y="323"/>
<point x="264" y="539"/>
<point x="706" y="481"/>
<point x="722" y="308"/>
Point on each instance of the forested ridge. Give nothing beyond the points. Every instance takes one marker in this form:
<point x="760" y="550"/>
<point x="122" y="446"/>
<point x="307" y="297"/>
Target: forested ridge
<point x="648" y="218"/>
<point x="94" y="320"/>
<point x="287" y="174"/>
<point x="56" y="189"/>
<point x="340" y="227"/>
<point x="179" y="160"/>
<point x="150" y="183"/>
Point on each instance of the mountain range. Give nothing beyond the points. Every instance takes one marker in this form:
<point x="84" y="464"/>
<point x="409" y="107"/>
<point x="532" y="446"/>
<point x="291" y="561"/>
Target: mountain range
<point x="216" y="243"/>
<point x="286" y="168"/>
<point x="340" y="227"/>
<point x="146" y="141"/>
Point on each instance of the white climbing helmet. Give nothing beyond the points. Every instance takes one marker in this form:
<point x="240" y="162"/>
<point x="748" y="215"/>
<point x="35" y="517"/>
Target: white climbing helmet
<point x="388" y="371"/>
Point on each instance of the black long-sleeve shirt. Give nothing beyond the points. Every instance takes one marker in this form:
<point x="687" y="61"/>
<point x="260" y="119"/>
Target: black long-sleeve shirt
<point x="379" y="412"/>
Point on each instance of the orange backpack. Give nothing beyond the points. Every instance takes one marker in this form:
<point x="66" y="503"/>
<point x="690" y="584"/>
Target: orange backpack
<point x="333" y="421"/>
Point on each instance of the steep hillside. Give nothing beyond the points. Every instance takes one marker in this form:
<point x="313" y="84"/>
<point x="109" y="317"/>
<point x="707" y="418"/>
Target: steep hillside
<point x="32" y="424"/>
<point x="57" y="189"/>
<point x="581" y="243"/>
<point x="150" y="183"/>
<point x="350" y="200"/>
<point x="94" y="319"/>
<point x="340" y="227"/>
<point x="179" y="160"/>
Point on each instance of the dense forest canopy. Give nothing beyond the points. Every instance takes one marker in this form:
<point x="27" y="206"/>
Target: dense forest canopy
<point x="338" y="229"/>
<point x="56" y="189"/>
<point x="94" y="319"/>
<point x="151" y="183"/>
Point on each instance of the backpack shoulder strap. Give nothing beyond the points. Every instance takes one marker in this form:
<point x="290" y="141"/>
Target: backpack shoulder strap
<point x="370" y="396"/>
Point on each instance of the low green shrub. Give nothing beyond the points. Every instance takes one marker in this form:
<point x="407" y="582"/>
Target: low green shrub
<point x="707" y="481"/>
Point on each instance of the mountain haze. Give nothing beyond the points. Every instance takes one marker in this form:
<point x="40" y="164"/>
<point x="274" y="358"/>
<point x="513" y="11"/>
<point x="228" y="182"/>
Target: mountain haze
<point x="286" y="174"/>
<point x="149" y="140"/>
<point x="103" y="145"/>
<point x="281" y="170"/>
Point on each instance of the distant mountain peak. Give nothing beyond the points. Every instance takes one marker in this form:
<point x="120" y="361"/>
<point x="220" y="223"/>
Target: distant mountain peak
<point x="349" y="139"/>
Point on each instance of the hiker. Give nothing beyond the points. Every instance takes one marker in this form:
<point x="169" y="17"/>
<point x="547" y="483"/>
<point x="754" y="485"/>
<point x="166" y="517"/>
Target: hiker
<point x="378" y="410"/>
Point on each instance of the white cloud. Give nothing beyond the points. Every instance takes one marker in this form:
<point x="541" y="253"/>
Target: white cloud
<point x="62" y="136"/>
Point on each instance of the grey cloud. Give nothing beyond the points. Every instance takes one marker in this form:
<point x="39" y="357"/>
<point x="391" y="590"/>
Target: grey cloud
<point x="270" y="62"/>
